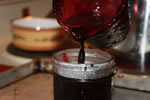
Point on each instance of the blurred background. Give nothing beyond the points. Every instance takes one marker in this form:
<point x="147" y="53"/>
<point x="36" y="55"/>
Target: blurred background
<point x="12" y="9"/>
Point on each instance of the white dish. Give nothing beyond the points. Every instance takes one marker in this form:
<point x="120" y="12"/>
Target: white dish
<point x="36" y="22"/>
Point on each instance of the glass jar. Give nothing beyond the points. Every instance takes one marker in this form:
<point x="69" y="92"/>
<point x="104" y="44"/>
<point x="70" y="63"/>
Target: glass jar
<point x="89" y="81"/>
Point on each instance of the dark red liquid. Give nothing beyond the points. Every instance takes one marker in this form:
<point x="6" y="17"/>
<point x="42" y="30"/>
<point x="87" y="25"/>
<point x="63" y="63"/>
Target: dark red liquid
<point x="88" y="18"/>
<point x="75" y="89"/>
<point x="84" y="18"/>
<point x="81" y="56"/>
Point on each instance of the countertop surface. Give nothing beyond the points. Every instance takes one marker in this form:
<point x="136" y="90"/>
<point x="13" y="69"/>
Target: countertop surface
<point x="40" y="87"/>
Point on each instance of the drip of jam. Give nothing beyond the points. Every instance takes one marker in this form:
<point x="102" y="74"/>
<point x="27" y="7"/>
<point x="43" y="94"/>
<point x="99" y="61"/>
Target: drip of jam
<point x="81" y="56"/>
<point x="65" y="57"/>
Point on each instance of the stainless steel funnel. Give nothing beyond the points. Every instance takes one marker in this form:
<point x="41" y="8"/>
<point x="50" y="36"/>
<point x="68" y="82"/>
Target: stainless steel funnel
<point x="135" y="50"/>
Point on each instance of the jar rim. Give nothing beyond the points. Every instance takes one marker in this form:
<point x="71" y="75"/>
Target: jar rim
<point x="103" y="66"/>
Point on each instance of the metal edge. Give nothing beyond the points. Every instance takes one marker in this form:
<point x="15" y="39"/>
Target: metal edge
<point x="17" y="73"/>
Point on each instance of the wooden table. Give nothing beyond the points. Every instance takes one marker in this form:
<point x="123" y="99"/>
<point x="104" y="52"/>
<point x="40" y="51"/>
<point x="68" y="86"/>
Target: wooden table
<point x="35" y="87"/>
<point x="40" y="87"/>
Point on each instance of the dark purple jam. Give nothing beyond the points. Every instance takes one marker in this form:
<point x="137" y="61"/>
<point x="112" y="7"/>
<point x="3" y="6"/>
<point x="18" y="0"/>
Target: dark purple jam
<point x="76" y="89"/>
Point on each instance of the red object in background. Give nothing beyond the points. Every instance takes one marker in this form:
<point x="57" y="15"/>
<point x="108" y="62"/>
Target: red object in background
<point x="4" y="68"/>
<point x="25" y="12"/>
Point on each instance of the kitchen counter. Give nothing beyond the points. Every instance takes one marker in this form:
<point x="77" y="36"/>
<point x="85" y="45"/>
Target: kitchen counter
<point x="40" y="87"/>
